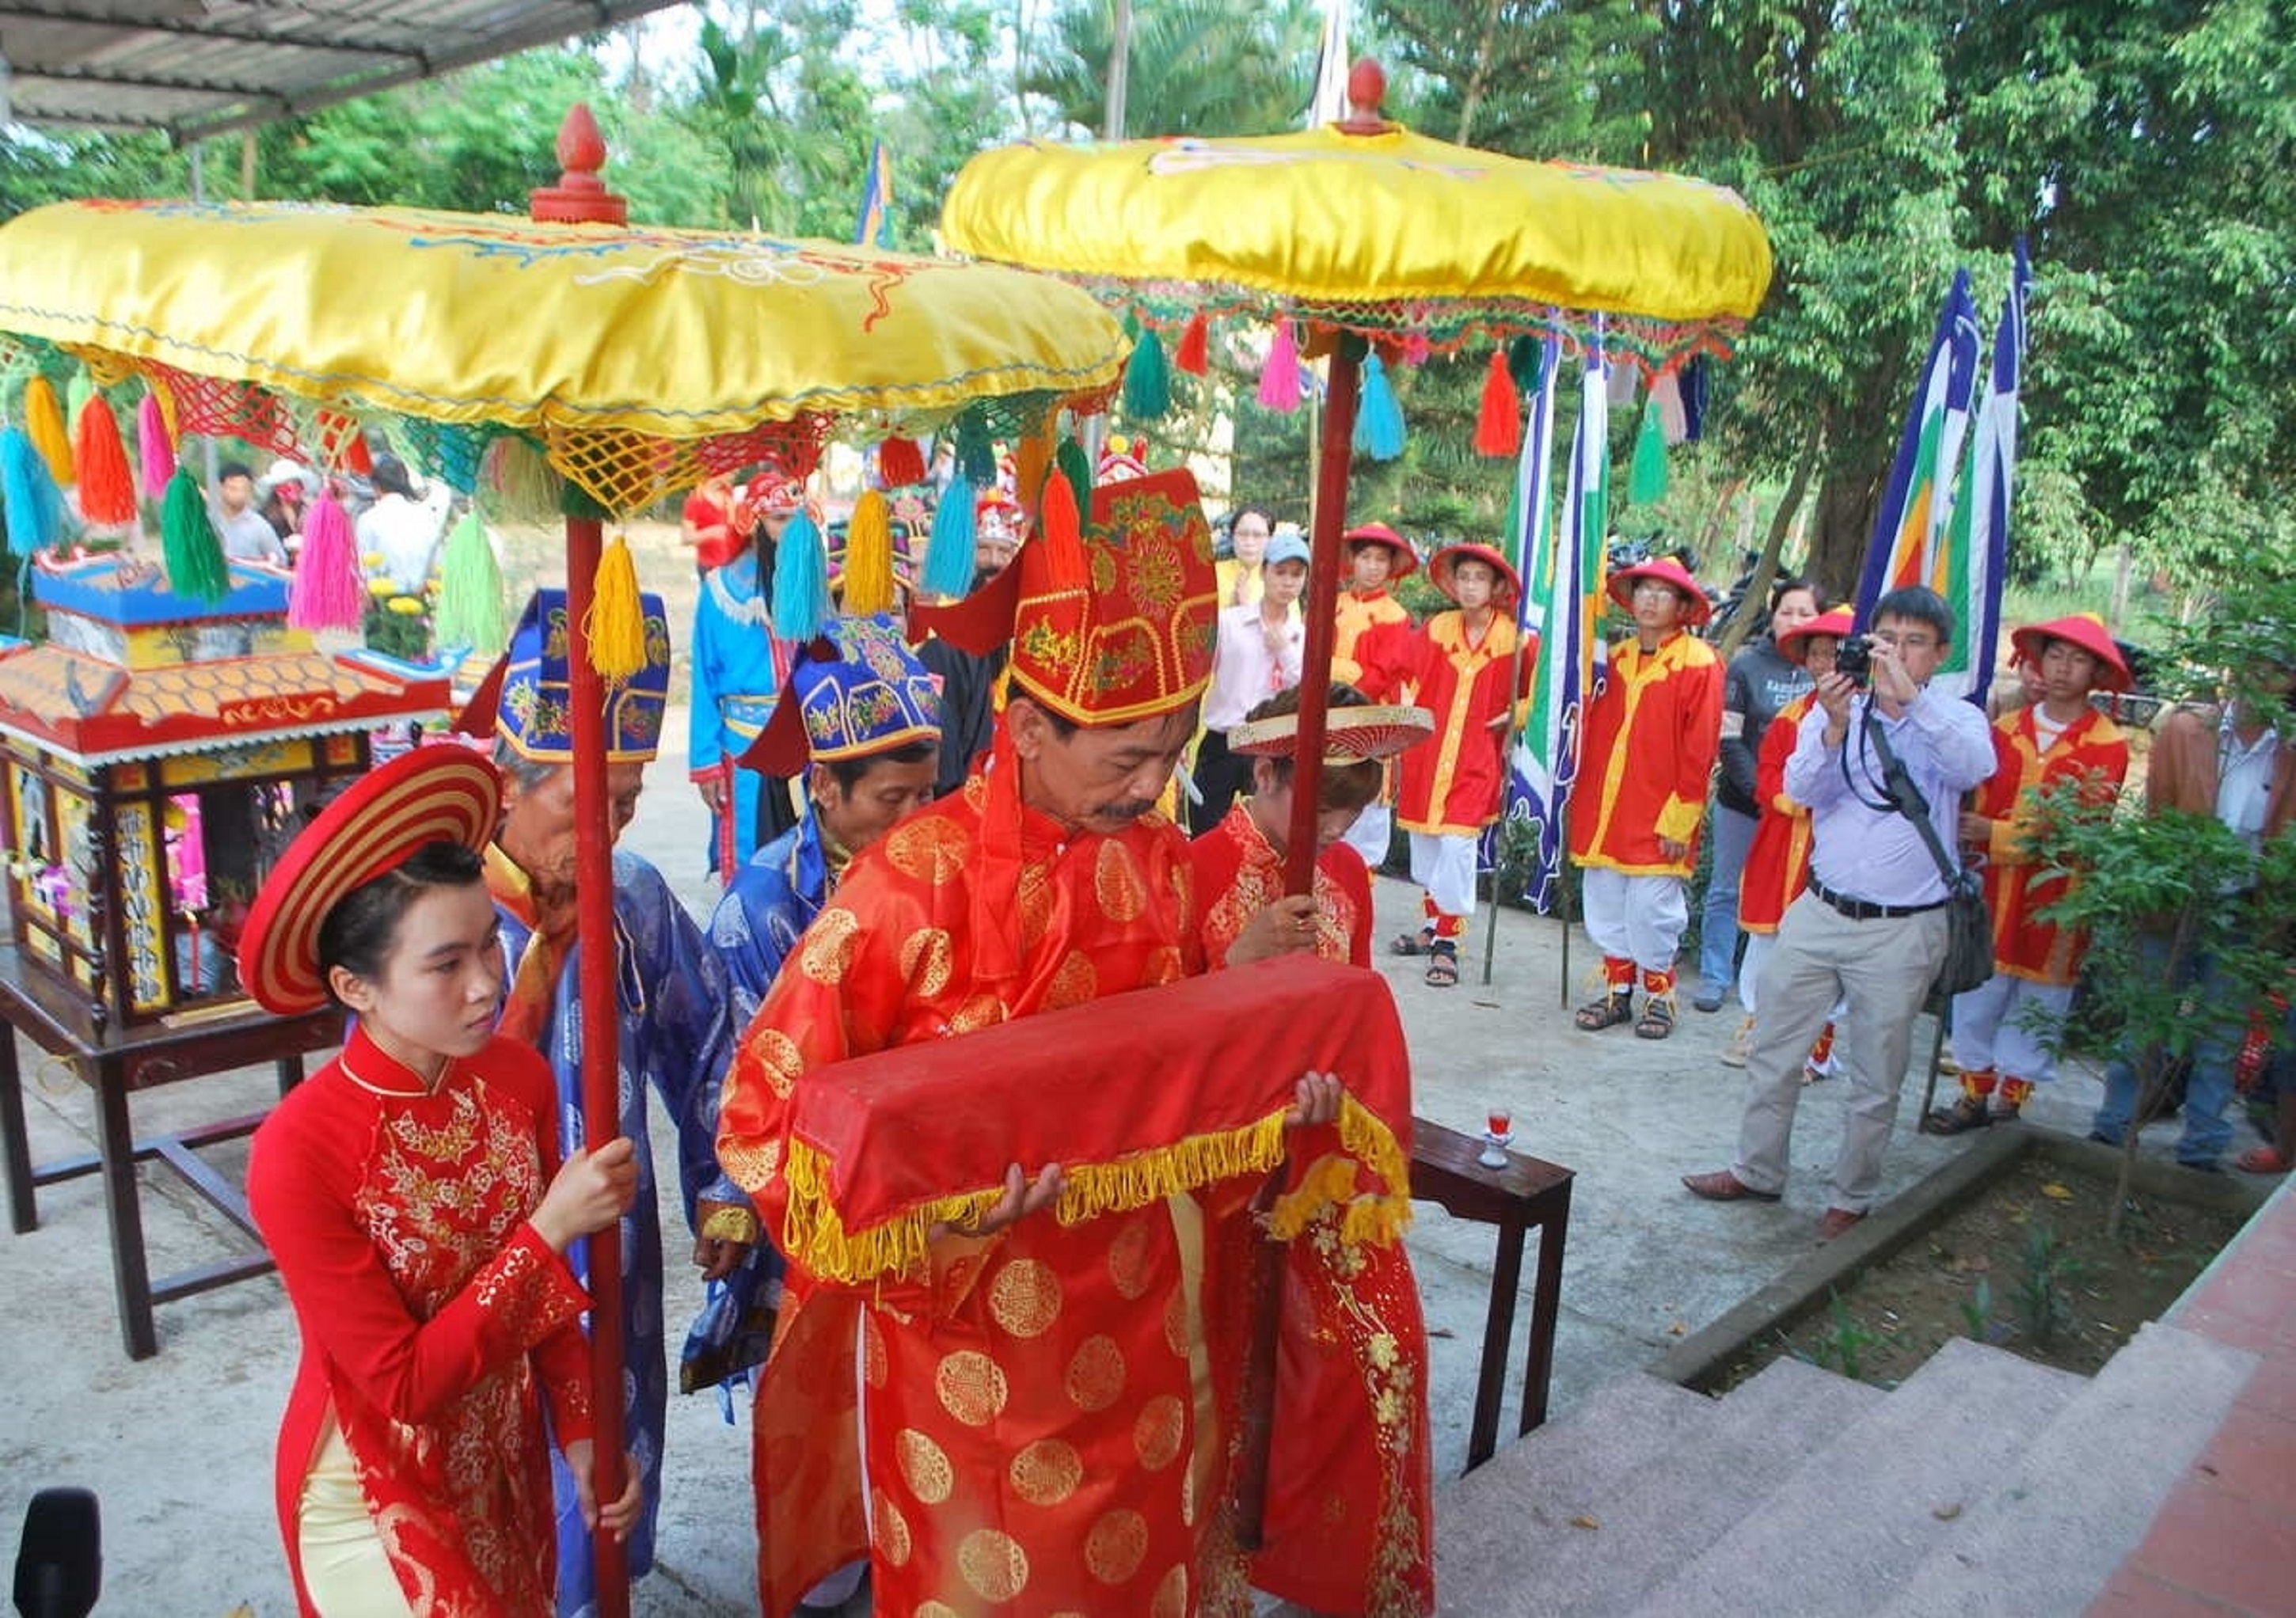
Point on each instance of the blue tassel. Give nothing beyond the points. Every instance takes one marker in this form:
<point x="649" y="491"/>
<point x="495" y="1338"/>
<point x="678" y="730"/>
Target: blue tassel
<point x="976" y="452"/>
<point x="949" y="556"/>
<point x="801" y="582"/>
<point x="1147" y="380"/>
<point x="35" y="505"/>
<point x="1379" y="419"/>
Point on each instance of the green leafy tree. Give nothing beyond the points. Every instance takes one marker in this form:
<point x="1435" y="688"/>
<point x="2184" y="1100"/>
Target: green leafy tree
<point x="1195" y="67"/>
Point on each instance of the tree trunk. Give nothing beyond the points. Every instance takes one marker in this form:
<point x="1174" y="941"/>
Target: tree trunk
<point x="1471" y="100"/>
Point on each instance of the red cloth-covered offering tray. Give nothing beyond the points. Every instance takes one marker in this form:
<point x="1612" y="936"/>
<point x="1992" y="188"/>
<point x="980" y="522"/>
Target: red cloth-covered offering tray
<point x="1137" y="1097"/>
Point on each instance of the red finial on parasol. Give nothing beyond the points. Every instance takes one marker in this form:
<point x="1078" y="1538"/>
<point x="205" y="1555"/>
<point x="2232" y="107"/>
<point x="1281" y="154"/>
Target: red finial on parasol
<point x="1367" y="94"/>
<point x="581" y="197"/>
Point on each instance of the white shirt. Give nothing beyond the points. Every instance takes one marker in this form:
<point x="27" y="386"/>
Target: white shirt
<point x="405" y="532"/>
<point x="249" y="537"/>
<point x="2244" y="782"/>
<point x="1245" y="673"/>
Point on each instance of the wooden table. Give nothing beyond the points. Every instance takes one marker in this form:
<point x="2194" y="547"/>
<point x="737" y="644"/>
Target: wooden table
<point x="1527" y="1194"/>
<point x="115" y="1065"/>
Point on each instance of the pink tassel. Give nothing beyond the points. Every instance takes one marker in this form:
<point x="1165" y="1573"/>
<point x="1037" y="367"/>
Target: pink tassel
<point x="328" y="592"/>
<point x="1279" y="379"/>
<point x="153" y="448"/>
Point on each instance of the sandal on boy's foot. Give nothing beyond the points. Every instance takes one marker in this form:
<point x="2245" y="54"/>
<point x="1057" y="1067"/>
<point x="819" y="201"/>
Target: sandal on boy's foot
<point x="1740" y="1046"/>
<point x="1443" y="969"/>
<point x="1607" y="1012"/>
<point x="2261" y="1160"/>
<point x="1962" y="1117"/>
<point x="1413" y="944"/>
<point x="1657" y="1020"/>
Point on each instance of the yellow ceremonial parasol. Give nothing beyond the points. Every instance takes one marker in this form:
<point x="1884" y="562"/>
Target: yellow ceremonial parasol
<point x="1369" y="236"/>
<point x="636" y="359"/>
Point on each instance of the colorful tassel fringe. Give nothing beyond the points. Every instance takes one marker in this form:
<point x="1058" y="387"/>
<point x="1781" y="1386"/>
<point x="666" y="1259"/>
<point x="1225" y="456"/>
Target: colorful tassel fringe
<point x="190" y="548"/>
<point x="801" y="605"/>
<point x="107" y="486"/>
<point x="43" y="420"/>
<point x="948" y="557"/>
<point x="617" y="621"/>
<point x="1070" y="461"/>
<point x="1193" y="352"/>
<point x="155" y="449"/>
<point x="35" y="506"/>
<point x="900" y="463"/>
<point x="976" y="452"/>
<point x="1060" y="532"/>
<point x="1646" y="478"/>
<point x="469" y="589"/>
<point x="1147" y="380"/>
<point x="329" y="592"/>
<point x="869" y="556"/>
<point x="1498" y="423"/>
<point x="1379" y="419"/>
<point x="1279" y="378"/>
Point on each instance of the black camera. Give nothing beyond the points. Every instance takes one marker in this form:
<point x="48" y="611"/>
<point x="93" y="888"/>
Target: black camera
<point x="1854" y="659"/>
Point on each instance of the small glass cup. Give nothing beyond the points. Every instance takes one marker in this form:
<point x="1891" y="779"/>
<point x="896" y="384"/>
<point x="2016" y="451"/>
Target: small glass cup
<point x="1498" y="1136"/>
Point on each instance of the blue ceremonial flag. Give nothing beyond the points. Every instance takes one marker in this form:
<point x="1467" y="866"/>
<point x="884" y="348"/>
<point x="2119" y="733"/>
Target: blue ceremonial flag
<point x="1910" y="531"/>
<point x="1561" y="603"/>
<point x="1977" y="553"/>
<point x="875" y="227"/>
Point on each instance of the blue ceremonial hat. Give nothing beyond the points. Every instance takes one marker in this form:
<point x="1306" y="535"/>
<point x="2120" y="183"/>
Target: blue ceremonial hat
<point x="856" y="691"/>
<point x="525" y="700"/>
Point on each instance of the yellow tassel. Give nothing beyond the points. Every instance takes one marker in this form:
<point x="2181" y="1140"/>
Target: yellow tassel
<point x="44" y="424"/>
<point x="617" y="621"/>
<point x="1032" y="457"/>
<point x="869" y="556"/>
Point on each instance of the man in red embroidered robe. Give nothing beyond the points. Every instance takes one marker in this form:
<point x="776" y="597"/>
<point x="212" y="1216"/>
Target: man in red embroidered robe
<point x="1033" y="1395"/>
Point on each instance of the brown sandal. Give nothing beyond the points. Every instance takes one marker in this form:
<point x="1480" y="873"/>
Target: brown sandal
<point x="1443" y="969"/>
<point x="1963" y="1115"/>
<point x="1413" y="944"/>
<point x="1657" y="1020"/>
<point x="1607" y="1012"/>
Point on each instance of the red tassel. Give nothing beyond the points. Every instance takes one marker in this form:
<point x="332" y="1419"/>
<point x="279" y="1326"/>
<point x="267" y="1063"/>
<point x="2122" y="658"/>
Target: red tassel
<point x="1194" y="355"/>
<point x="1061" y="532"/>
<point x="107" y="488"/>
<point x="900" y="463"/>
<point x="1498" y="424"/>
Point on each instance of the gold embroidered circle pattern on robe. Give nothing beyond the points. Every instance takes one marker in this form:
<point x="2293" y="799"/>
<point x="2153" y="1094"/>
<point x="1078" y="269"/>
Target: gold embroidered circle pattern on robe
<point x="1025" y="1297"/>
<point x="1046" y="1472"/>
<point x="751" y="1166"/>
<point x="827" y="949"/>
<point x="1113" y="1548"/>
<point x="926" y="960"/>
<point x="1176" y="1322"/>
<point x="1127" y="1259"/>
<point x="1171" y="1594"/>
<point x="892" y="1529"/>
<point x="778" y="1055"/>
<point x="1156" y="1432"/>
<point x="972" y="1387"/>
<point x="923" y="1467"/>
<point x="927" y="848"/>
<point x="1116" y="884"/>
<point x="937" y="1609"/>
<point x="993" y="1564"/>
<point x="1096" y="1376"/>
<point x="1074" y="982"/>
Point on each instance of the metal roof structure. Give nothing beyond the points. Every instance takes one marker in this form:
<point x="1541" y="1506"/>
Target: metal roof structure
<point x="200" y="68"/>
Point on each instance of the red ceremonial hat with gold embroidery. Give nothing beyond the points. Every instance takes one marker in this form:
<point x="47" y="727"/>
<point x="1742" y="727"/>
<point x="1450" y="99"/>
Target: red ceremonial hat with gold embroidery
<point x="1111" y="622"/>
<point x="441" y="793"/>
<point x="2083" y="632"/>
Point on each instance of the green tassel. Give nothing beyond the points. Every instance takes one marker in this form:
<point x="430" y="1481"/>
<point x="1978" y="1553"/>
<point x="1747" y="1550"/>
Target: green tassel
<point x="1646" y="478"/>
<point x="471" y="592"/>
<point x="1147" y="380"/>
<point x="1070" y="462"/>
<point x="191" y="549"/>
<point x="976" y="451"/>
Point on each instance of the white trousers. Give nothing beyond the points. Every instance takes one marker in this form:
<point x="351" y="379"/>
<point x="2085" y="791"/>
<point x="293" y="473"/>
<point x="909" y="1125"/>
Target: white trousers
<point x="2008" y="1024"/>
<point x="1444" y="866"/>
<point x="1368" y="836"/>
<point x="1636" y="919"/>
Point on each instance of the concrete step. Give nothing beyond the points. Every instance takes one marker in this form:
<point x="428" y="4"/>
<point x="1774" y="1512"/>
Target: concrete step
<point x="2064" y="1514"/>
<point x="1876" y="1498"/>
<point x="1550" y="1542"/>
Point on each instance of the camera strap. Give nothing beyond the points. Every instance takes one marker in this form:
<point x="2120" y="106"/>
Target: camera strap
<point x="1904" y="796"/>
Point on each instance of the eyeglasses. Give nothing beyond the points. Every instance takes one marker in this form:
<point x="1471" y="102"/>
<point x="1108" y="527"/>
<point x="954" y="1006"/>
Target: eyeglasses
<point x="1904" y="642"/>
<point x="1652" y="587"/>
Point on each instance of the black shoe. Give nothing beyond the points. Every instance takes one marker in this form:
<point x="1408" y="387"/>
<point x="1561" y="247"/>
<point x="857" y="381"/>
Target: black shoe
<point x="1709" y="1000"/>
<point x="2102" y="1139"/>
<point x="1959" y="1119"/>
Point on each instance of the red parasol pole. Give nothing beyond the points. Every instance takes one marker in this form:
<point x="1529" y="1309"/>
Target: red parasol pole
<point x="1330" y="520"/>
<point x="579" y="196"/>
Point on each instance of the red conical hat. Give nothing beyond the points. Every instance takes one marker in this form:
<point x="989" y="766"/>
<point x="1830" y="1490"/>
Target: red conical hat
<point x="1695" y="607"/>
<point x="1438" y="571"/>
<point x="1793" y="644"/>
<point x="2085" y="629"/>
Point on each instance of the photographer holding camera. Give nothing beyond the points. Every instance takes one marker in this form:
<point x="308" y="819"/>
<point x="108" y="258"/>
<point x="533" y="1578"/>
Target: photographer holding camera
<point x="1870" y="926"/>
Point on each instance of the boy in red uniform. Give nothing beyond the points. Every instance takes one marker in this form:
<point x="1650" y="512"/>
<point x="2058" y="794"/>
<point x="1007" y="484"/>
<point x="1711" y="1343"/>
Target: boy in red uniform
<point x="1462" y="667"/>
<point x="1653" y="735"/>
<point x="2003" y="1030"/>
<point x="1377" y="557"/>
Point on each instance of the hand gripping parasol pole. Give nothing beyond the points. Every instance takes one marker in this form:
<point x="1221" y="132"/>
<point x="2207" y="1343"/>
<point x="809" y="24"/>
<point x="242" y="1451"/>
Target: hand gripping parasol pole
<point x="581" y="197"/>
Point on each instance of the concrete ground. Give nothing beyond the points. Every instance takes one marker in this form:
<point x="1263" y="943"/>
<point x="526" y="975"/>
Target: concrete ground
<point x="179" y="1447"/>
